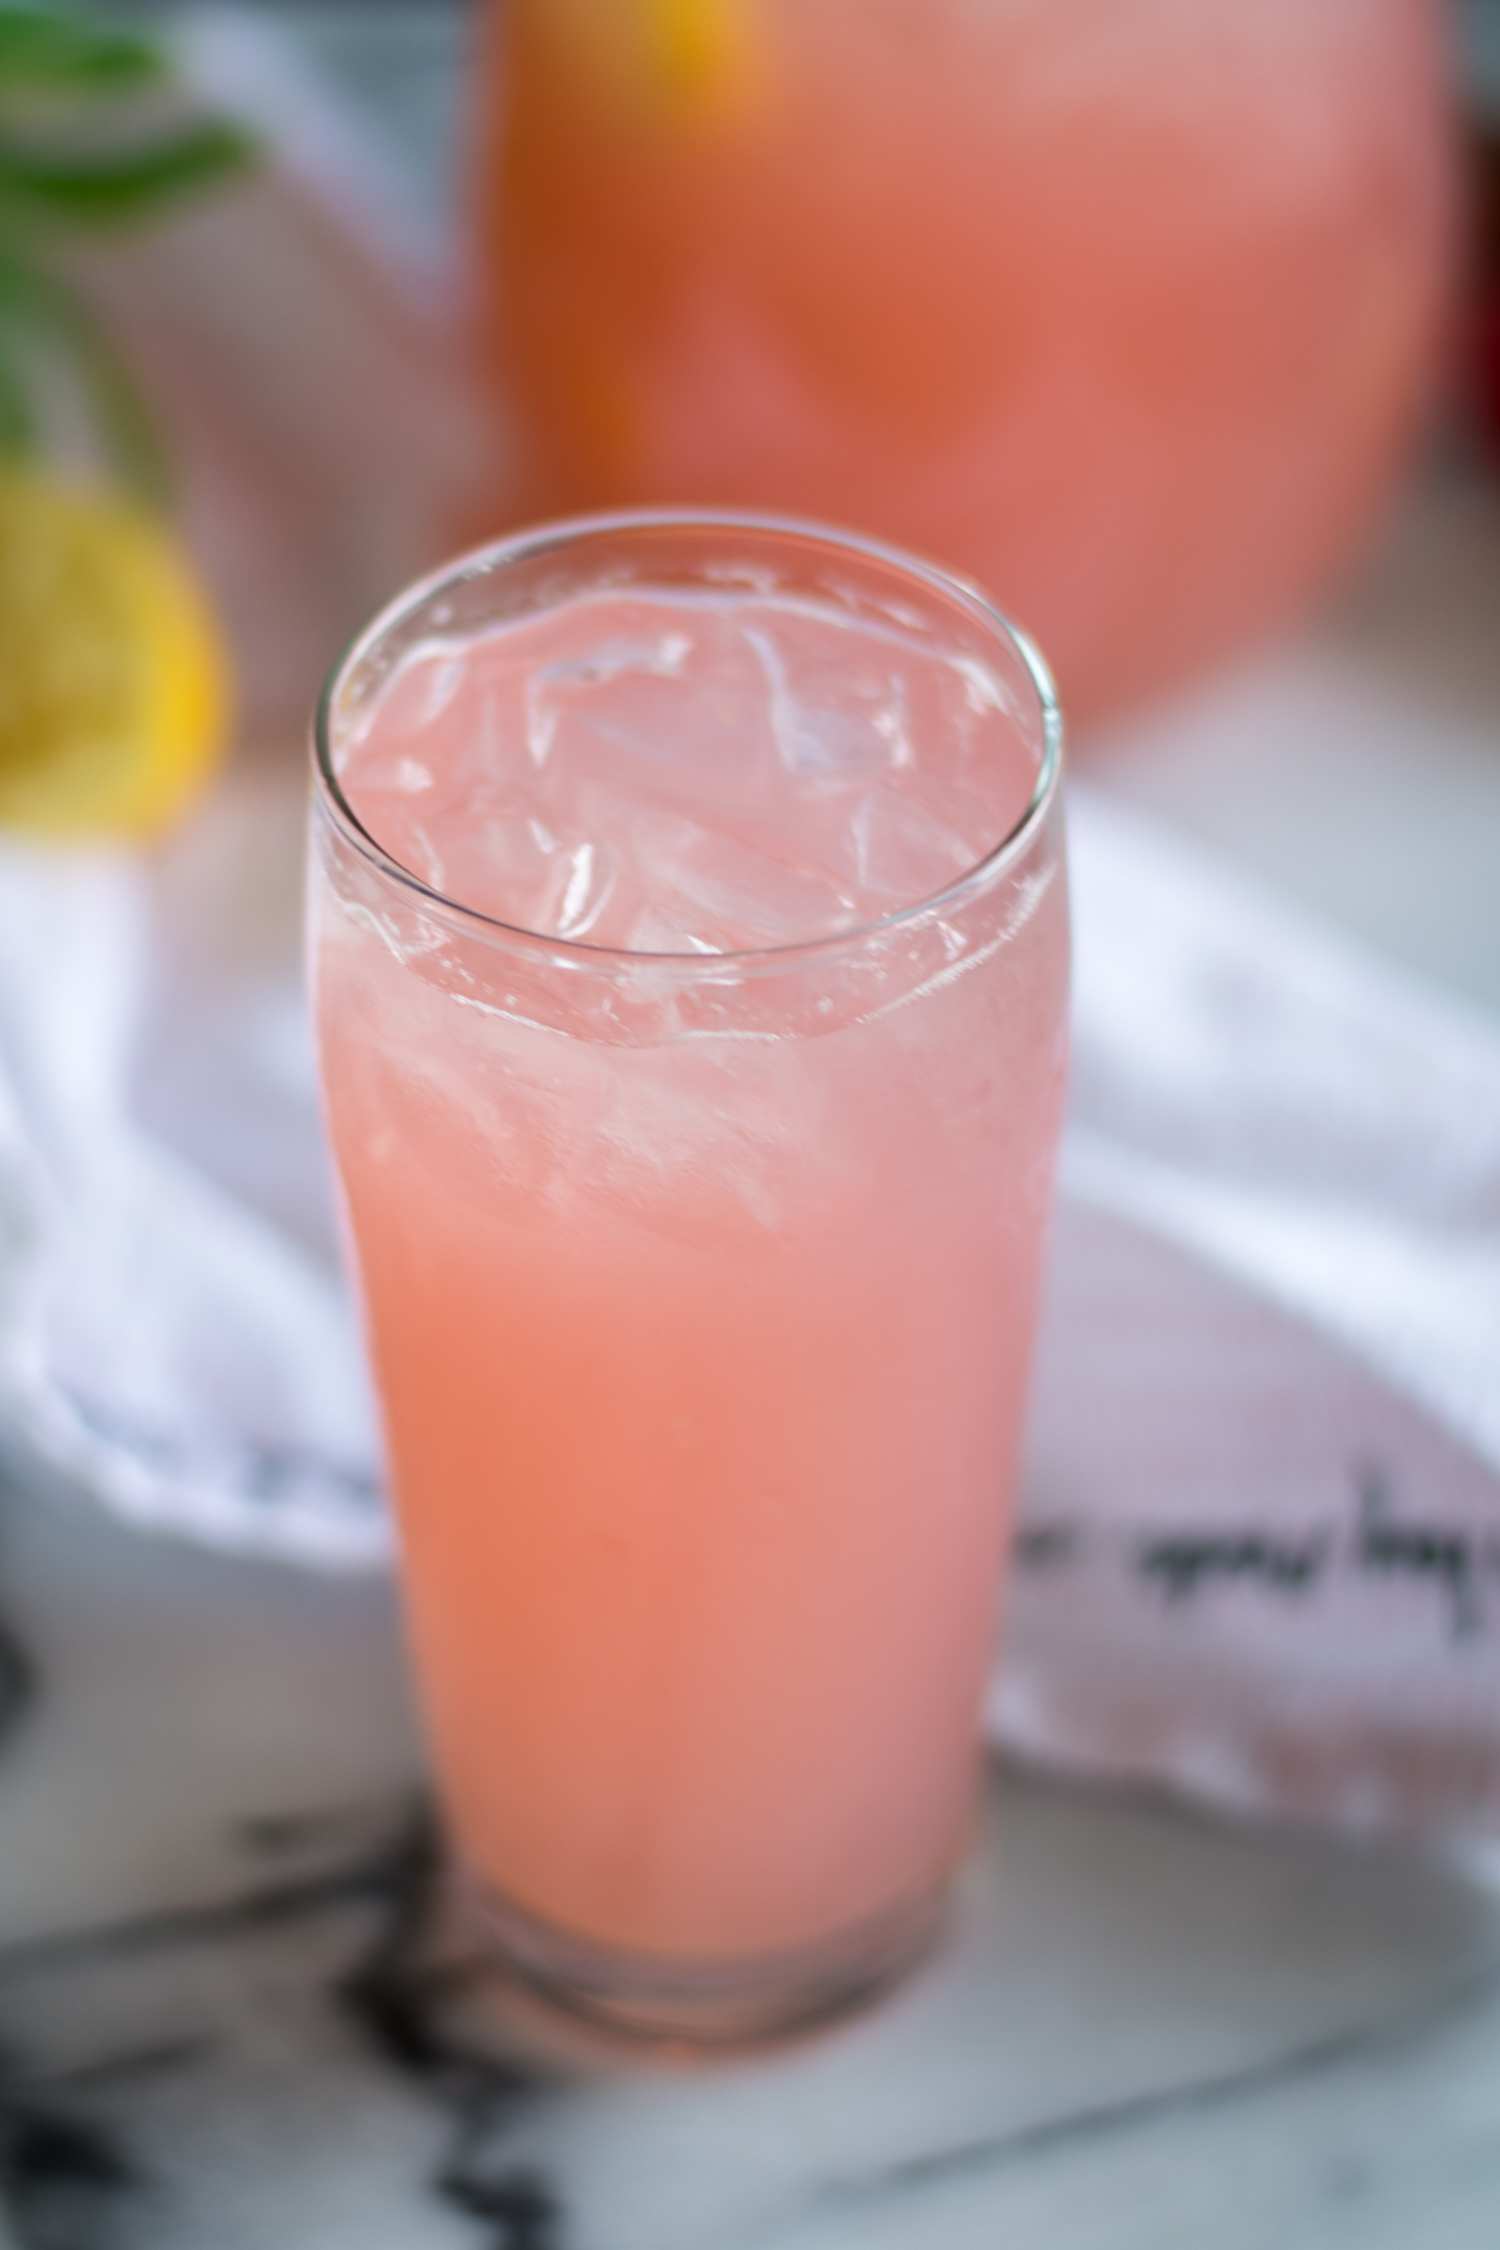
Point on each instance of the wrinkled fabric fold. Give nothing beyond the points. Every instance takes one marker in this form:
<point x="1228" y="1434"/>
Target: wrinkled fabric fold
<point x="1259" y="1549"/>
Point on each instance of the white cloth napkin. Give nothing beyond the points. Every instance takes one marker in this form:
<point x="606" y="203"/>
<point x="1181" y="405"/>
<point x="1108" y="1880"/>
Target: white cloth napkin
<point x="1259" y="1556"/>
<point x="173" y="1329"/>
<point x="1261" y="1548"/>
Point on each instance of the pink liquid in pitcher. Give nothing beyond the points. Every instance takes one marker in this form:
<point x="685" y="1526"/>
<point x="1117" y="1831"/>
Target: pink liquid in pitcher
<point x="1127" y="307"/>
<point x="701" y="1320"/>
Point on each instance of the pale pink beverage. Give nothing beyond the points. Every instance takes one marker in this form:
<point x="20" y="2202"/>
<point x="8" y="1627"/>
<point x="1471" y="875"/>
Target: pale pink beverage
<point x="690" y="956"/>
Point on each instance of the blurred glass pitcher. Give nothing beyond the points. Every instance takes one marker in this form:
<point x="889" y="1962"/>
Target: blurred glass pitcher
<point x="1126" y="307"/>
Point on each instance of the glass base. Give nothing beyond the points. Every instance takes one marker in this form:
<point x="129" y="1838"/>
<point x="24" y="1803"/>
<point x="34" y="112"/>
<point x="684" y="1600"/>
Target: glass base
<point x="729" y="2003"/>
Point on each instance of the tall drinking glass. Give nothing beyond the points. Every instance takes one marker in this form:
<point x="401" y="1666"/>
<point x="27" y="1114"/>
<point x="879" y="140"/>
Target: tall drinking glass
<point x="689" y="942"/>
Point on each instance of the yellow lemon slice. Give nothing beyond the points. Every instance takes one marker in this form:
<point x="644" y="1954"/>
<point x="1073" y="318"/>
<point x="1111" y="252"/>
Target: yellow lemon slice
<point x="686" y="63"/>
<point x="114" y="687"/>
<point x="704" y="54"/>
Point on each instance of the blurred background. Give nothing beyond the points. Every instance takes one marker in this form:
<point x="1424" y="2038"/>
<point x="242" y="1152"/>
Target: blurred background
<point x="1232" y="369"/>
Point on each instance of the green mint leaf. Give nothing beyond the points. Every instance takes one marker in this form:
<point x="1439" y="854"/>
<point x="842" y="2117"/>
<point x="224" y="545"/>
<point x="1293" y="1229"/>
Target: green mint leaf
<point x="43" y="50"/>
<point x="122" y="186"/>
<point x="32" y="301"/>
<point x="19" y="434"/>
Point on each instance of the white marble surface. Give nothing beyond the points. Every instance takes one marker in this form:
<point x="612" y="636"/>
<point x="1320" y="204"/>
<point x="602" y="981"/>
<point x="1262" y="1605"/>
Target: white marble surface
<point x="1357" y="768"/>
<point x="232" y="2018"/>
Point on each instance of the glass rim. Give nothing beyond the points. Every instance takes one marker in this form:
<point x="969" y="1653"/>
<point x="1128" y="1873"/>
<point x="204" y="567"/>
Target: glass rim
<point x="564" y="533"/>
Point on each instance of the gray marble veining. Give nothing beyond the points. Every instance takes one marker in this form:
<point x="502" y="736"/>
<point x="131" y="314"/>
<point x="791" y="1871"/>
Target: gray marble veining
<point x="234" y="2013"/>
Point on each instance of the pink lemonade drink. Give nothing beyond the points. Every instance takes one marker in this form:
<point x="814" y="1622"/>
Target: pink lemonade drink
<point x="1125" y="306"/>
<point x="690" y="956"/>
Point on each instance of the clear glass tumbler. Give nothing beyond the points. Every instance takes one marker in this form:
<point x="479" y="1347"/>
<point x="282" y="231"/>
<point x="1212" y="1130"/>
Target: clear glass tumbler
<point x="689" y="948"/>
